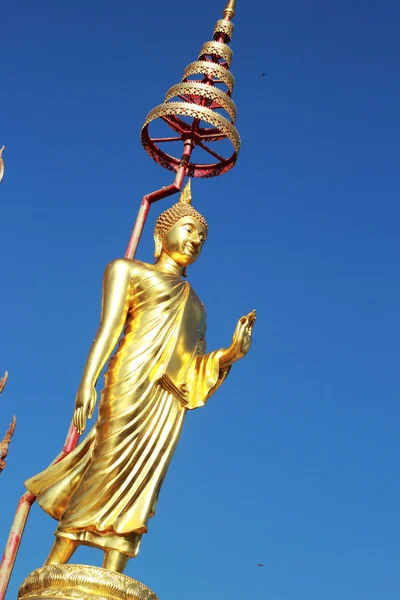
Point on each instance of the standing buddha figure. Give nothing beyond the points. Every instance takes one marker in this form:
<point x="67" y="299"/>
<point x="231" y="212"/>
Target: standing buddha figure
<point x="105" y="491"/>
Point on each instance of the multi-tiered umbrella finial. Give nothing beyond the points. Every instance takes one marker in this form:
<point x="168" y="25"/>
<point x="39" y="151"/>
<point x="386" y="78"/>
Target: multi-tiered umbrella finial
<point x="199" y="110"/>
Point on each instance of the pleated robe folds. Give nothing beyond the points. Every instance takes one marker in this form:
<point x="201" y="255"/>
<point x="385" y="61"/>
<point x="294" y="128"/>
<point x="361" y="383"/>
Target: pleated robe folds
<point x="104" y="492"/>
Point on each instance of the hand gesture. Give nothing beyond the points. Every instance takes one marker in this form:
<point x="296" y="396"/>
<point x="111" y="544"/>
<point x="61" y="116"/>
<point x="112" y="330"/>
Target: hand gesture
<point x="84" y="406"/>
<point x="241" y="340"/>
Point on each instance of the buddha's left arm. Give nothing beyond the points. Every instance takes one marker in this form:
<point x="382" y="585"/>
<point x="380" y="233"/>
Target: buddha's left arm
<point x="205" y="376"/>
<point x="209" y="371"/>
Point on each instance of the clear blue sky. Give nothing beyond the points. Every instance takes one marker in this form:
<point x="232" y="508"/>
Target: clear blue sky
<point x="294" y="463"/>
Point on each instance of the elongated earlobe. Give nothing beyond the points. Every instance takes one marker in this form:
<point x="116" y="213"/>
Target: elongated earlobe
<point x="184" y="272"/>
<point x="157" y="247"/>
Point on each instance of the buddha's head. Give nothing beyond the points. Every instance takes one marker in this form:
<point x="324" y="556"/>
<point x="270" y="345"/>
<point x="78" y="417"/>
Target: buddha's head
<point x="180" y="231"/>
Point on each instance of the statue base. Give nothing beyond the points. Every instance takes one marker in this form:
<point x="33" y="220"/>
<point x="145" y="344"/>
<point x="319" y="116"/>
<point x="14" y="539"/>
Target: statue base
<point x="81" y="582"/>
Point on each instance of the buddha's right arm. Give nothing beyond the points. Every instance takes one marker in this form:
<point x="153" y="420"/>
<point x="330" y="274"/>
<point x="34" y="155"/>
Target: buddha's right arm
<point x="115" y="304"/>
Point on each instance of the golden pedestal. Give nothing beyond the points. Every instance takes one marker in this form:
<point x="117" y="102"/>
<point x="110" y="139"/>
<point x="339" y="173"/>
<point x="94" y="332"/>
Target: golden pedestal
<point x="81" y="582"/>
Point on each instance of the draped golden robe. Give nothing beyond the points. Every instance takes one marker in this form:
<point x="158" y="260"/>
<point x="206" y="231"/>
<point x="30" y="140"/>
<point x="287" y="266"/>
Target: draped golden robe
<point x="104" y="492"/>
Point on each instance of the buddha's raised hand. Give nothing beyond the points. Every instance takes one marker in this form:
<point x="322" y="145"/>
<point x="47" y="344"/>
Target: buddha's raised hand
<point x="84" y="406"/>
<point x="241" y="340"/>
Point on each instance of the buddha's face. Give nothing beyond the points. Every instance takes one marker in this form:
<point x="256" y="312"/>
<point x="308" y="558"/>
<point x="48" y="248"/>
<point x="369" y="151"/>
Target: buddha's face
<point x="184" y="241"/>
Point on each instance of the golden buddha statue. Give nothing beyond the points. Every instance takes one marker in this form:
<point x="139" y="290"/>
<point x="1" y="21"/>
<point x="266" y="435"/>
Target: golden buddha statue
<point x="105" y="491"/>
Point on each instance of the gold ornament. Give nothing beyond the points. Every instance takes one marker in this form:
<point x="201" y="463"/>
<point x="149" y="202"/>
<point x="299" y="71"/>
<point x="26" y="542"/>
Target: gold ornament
<point x="203" y="90"/>
<point x="186" y="109"/>
<point x="217" y="49"/>
<point x="210" y="69"/>
<point x="223" y="27"/>
<point x="5" y="442"/>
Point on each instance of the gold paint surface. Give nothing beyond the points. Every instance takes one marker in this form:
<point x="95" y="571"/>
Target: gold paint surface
<point x="81" y="581"/>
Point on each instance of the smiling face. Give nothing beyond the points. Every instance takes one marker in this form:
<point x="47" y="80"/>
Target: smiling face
<point x="184" y="241"/>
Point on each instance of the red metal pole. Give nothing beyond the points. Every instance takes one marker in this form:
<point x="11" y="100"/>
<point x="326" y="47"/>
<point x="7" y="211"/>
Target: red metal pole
<point x="14" y="540"/>
<point x="164" y="192"/>
<point x="21" y="517"/>
<point x="138" y="228"/>
<point x="72" y="439"/>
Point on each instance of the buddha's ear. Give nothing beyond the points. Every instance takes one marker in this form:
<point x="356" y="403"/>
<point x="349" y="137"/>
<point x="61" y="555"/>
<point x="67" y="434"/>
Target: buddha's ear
<point x="157" y="243"/>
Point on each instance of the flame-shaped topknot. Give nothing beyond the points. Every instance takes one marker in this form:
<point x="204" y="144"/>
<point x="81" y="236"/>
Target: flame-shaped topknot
<point x="186" y="195"/>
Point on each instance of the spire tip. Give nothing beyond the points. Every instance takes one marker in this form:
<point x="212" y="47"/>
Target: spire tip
<point x="229" y="11"/>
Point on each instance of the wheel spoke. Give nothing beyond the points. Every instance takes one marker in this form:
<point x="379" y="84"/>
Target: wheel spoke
<point x="212" y="136"/>
<point x="166" y="139"/>
<point x="175" y="126"/>
<point x="214" y="154"/>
